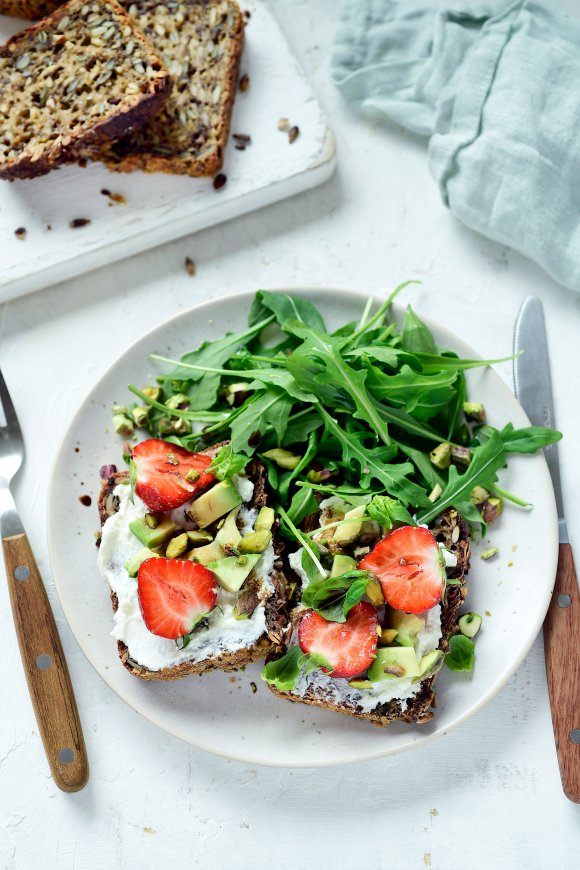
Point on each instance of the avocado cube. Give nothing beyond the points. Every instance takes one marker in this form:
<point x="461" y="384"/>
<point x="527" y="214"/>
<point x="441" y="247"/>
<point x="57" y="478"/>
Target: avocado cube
<point x="152" y="537"/>
<point x="232" y="571"/>
<point x="430" y="664"/>
<point x="360" y="684"/>
<point x="388" y="635"/>
<point x="229" y="534"/>
<point x="205" y="555"/>
<point x="348" y="532"/>
<point x="213" y="504"/>
<point x="133" y="564"/>
<point x="393" y="663"/>
<point x="342" y="564"/>
<point x="408" y="626"/>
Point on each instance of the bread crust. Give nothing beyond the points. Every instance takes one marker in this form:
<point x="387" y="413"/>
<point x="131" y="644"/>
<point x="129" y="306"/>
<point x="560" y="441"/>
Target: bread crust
<point x="271" y="643"/>
<point x="31" y="9"/>
<point x="122" y="156"/>
<point x="420" y="708"/>
<point x="136" y="110"/>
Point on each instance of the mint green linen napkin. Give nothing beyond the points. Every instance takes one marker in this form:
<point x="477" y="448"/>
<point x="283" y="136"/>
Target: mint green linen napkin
<point x="496" y="87"/>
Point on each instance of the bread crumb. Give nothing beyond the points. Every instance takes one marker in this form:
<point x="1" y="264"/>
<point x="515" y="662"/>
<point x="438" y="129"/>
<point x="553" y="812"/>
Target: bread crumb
<point x="148" y="830"/>
<point x="427" y="859"/>
<point x="189" y="266"/>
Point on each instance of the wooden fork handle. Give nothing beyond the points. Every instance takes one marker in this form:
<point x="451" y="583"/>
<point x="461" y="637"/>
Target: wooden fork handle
<point x="45" y="667"/>
<point x="562" y="646"/>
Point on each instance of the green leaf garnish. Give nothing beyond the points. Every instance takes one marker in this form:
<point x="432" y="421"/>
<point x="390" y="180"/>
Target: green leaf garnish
<point x="334" y="597"/>
<point x="227" y="463"/>
<point x="283" y="673"/>
<point x="461" y="655"/>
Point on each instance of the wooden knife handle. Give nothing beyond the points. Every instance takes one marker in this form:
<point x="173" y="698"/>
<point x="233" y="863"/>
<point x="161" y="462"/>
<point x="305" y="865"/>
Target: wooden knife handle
<point x="562" y="646"/>
<point x="45" y="667"/>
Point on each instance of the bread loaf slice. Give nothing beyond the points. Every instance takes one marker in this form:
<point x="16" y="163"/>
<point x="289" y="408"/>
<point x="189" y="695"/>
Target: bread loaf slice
<point x="270" y="643"/>
<point x="200" y="42"/>
<point x="33" y="9"/>
<point x="80" y="76"/>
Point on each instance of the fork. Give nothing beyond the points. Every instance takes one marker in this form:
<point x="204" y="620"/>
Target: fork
<point x="43" y="658"/>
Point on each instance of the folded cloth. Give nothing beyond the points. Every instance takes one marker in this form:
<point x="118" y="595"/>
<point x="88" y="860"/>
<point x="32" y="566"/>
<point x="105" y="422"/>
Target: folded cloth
<point x="496" y="87"/>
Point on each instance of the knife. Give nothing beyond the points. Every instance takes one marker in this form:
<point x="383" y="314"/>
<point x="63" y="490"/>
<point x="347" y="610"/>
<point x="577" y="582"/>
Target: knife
<point x="533" y="388"/>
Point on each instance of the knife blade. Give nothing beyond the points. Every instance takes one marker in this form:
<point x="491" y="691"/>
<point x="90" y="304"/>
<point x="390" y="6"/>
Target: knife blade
<point x="533" y="387"/>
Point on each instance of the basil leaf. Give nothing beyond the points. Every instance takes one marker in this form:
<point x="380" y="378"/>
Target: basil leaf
<point x="286" y="309"/>
<point x="332" y="598"/>
<point x="415" y="335"/>
<point x="227" y="463"/>
<point x="527" y="440"/>
<point x="283" y="673"/>
<point x="461" y="655"/>
<point x="389" y="512"/>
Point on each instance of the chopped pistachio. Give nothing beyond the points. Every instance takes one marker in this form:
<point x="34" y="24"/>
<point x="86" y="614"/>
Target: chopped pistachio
<point x="388" y="635"/>
<point x="198" y="537"/>
<point x="491" y="509"/>
<point x="181" y="426"/>
<point x="435" y="492"/>
<point x="440" y="456"/>
<point x="232" y="389"/>
<point x="474" y="411"/>
<point x="320" y="476"/>
<point x="177" y="400"/>
<point x="140" y="416"/>
<point x="469" y="624"/>
<point x="375" y="593"/>
<point x="123" y="425"/>
<point x="283" y="458"/>
<point x="489" y="554"/>
<point x="460" y="455"/>
<point x="177" y="546"/>
<point x="154" y="393"/>
<point x="120" y="409"/>
<point x="479" y="495"/>
<point x="165" y="426"/>
<point x="192" y="475"/>
<point x="255" y="542"/>
<point x="264" y="520"/>
<point x="151" y="521"/>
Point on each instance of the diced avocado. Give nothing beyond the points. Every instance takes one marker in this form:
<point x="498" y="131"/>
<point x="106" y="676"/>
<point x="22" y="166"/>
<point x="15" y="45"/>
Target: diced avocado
<point x="388" y="635"/>
<point x="232" y="571"/>
<point x="394" y="662"/>
<point x="198" y="538"/>
<point x="152" y="537"/>
<point x="205" y="555"/>
<point x="265" y="520"/>
<point x="133" y="564"/>
<point x="255" y="542"/>
<point x="229" y="534"/>
<point x="440" y="456"/>
<point x="348" y="532"/>
<point x="375" y="592"/>
<point x="213" y="504"/>
<point x="430" y="664"/>
<point x="342" y="564"/>
<point x="177" y="546"/>
<point x="408" y="626"/>
<point x="360" y="684"/>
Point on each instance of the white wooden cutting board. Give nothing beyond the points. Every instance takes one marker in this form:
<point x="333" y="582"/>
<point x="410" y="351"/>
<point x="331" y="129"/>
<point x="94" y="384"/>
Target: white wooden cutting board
<point x="162" y="207"/>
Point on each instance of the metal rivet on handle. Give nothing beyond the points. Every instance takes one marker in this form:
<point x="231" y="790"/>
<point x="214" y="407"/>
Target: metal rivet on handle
<point x="21" y="572"/>
<point x="564" y="600"/>
<point x="65" y="756"/>
<point x="43" y="662"/>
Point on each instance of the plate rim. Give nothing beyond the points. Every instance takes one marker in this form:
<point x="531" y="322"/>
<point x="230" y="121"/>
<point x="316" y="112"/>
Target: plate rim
<point x="142" y="709"/>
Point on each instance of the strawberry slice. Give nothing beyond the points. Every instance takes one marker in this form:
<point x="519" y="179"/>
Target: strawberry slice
<point x="408" y="565"/>
<point x="162" y="474"/>
<point x="349" y="647"/>
<point x="174" y="594"/>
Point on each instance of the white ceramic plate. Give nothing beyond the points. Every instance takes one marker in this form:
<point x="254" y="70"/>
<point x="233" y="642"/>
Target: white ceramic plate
<point x="222" y="714"/>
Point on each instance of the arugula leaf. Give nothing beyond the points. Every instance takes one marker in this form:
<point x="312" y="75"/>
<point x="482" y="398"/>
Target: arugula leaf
<point x="280" y="378"/>
<point x="302" y="505"/>
<point x="424" y="465"/>
<point x="527" y="440"/>
<point x="485" y="461"/>
<point x="389" y="512"/>
<point x="411" y="389"/>
<point x="333" y="598"/>
<point x="433" y="362"/>
<point x="310" y="549"/>
<point x="387" y="355"/>
<point x="374" y="464"/>
<point x="461" y="655"/>
<point x="286" y="309"/>
<point x="227" y="463"/>
<point x="415" y="335"/>
<point x="304" y="462"/>
<point x="270" y="408"/>
<point x="283" y="673"/>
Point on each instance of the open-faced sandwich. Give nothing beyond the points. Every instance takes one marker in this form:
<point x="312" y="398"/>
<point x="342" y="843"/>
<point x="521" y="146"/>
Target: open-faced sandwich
<point x="306" y="497"/>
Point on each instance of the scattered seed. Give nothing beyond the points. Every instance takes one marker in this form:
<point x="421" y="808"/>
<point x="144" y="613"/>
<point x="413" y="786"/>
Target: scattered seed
<point x="20" y="233"/>
<point x="247" y="14"/>
<point x="114" y="197"/>
<point x="253" y="687"/>
<point x="77" y="223"/>
<point x="86" y="500"/>
<point x="219" y="181"/>
<point x="240" y="147"/>
<point x="244" y="83"/>
<point x="189" y="266"/>
<point x="48" y="227"/>
<point x="293" y="134"/>
<point x="283" y="124"/>
<point x="243" y="138"/>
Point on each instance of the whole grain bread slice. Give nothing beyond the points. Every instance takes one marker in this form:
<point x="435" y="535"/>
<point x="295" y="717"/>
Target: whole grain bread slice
<point x="83" y="75"/>
<point x="32" y="9"/>
<point x="276" y="606"/>
<point x="450" y="529"/>
<point x="201" y="43"/>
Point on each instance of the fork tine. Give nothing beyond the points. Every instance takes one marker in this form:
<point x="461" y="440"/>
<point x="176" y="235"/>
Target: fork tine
<point x="12" y="423"/>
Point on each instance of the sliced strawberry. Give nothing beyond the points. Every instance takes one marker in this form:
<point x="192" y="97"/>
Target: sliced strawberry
<point x="349" y="647"/>
<point x="174" y="594"/>
<point x="408" y="565"/>
<point x="161" y="469"/>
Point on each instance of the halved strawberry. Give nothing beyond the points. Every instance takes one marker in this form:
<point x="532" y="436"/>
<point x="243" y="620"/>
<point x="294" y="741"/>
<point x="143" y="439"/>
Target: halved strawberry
<point x="349" y="647"/>
<point x="174" y="594"/>
<point x="161" y="471"/>
<point x="408" y="565"/>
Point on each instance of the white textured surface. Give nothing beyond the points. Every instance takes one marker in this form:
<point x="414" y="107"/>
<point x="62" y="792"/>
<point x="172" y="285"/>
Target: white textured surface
<point x="488" y="794"/>
<point x="162" y="207"/>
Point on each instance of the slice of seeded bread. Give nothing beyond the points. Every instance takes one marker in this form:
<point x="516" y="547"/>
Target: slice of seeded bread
<point x="200" y="42"/>
<point x="276" y="607"/>
<point x="451" y="530"/>
<point x="83" y="75"/>
<point x="33" y="9"/>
